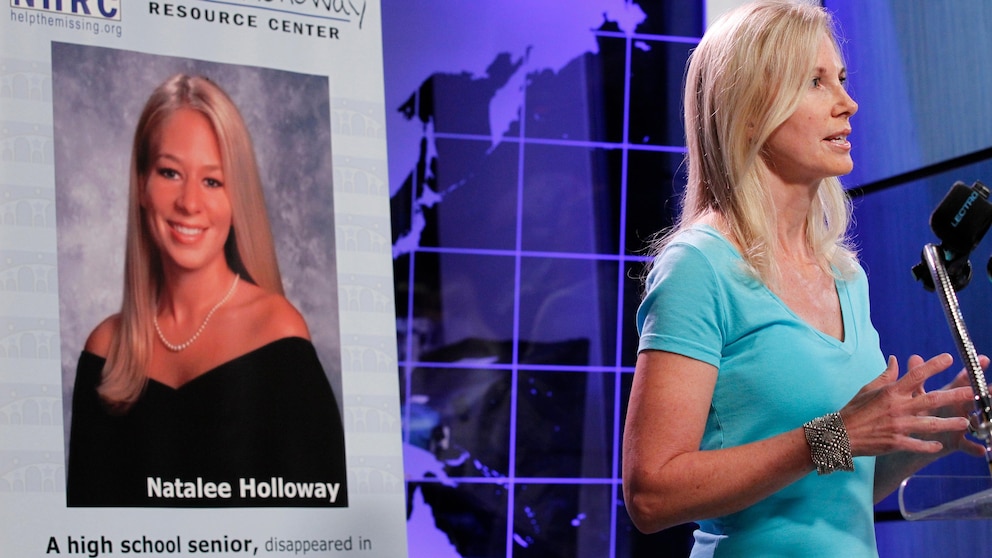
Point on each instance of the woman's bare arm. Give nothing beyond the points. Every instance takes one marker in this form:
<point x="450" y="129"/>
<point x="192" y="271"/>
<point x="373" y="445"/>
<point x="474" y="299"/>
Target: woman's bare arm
<point x="668" y="480"/>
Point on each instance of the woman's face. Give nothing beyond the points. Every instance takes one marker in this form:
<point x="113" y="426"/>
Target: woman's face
<point x="812" y="144"/>
<point x="185" y="201"/>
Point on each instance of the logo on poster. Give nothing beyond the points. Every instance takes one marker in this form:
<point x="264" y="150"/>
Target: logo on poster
<point x="103" y="9"/>
<point x="342" y="10"/>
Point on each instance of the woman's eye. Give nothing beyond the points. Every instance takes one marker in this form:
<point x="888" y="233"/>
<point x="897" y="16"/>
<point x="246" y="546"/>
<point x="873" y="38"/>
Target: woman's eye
<point x="816" y="82"/>
<point x="213" y="183"/>
<point x="166" y="172"/>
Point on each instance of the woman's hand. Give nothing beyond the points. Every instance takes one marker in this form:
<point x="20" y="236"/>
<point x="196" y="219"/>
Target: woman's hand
<point x="953" y="441"/>
<point x="892" y="414"/>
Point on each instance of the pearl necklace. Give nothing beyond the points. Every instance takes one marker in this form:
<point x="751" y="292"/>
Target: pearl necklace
<point x="183" y="346"/>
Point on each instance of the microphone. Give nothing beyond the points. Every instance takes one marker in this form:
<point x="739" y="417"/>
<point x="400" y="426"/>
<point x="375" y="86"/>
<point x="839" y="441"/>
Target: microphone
<point x="960" y="221"/>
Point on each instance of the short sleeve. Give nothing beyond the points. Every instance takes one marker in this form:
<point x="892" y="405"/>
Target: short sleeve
<point x="683" y="307"/>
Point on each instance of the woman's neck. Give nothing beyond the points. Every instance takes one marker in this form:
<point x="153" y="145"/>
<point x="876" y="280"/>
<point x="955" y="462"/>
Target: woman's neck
<point x="793" y="203"/>
<point x="189" y="294"/>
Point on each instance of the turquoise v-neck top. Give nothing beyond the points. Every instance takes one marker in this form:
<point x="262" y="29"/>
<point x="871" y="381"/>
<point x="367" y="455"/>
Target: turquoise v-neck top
<point x="775" y="372"/>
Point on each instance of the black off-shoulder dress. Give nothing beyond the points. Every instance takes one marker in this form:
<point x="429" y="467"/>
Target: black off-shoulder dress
<point x="265" y="423"/>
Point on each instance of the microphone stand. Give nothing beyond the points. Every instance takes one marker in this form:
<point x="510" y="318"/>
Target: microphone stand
<point x="981" y="418"/>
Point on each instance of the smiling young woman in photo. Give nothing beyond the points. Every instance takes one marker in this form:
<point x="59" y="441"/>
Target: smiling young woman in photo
<point x="207" y="375"/>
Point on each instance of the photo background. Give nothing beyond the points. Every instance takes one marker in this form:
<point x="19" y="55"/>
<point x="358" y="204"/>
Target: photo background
<point x="98" y="94"/>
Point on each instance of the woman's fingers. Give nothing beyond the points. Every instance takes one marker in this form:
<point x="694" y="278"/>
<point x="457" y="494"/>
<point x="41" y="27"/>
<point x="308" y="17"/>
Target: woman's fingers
<point x="964" y="378"/>
<point x="929" y="424"/>
<point x="898" y="414"/>
<point x="937" y="399"/>
<point x="913" y="362"/>
<point x="919" y="372"/>
<point x="972" y="448"/>
<point x="889" y="375"/>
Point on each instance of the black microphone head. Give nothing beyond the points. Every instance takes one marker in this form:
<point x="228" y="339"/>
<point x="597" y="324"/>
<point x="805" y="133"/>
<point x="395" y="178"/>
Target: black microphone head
<point x="962" y="218"/>
<point x="958" y="271"/>
<point x="921" y="272"/>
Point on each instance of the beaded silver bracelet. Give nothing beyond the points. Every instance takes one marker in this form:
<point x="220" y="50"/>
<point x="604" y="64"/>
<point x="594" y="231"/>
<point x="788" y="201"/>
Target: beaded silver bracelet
<point x="829" y="445"/>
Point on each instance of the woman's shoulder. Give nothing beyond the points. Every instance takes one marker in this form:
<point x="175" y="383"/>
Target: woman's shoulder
<point x="286" y="319"/>
<point x="699" y="244"/>
<point x="699" y="257"/>
<point x="277" y="317"/>
<point x="100" y="338"/>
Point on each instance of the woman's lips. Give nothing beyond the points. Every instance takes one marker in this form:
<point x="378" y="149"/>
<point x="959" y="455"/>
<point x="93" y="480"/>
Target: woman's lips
<point x="186" y="231"/>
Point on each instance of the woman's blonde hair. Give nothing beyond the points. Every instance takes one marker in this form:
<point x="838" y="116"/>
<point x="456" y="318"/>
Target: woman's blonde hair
<point x="745" y="78"/>
<point x="249" y="249"/>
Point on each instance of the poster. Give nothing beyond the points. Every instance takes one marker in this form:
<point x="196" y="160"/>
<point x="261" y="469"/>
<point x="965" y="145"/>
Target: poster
<point x="306" y="78"/>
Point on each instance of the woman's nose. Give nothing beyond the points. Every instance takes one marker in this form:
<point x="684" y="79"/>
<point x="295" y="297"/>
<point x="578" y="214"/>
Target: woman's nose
<point x="847" y="103"/>
<point x="189" y="196"/>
